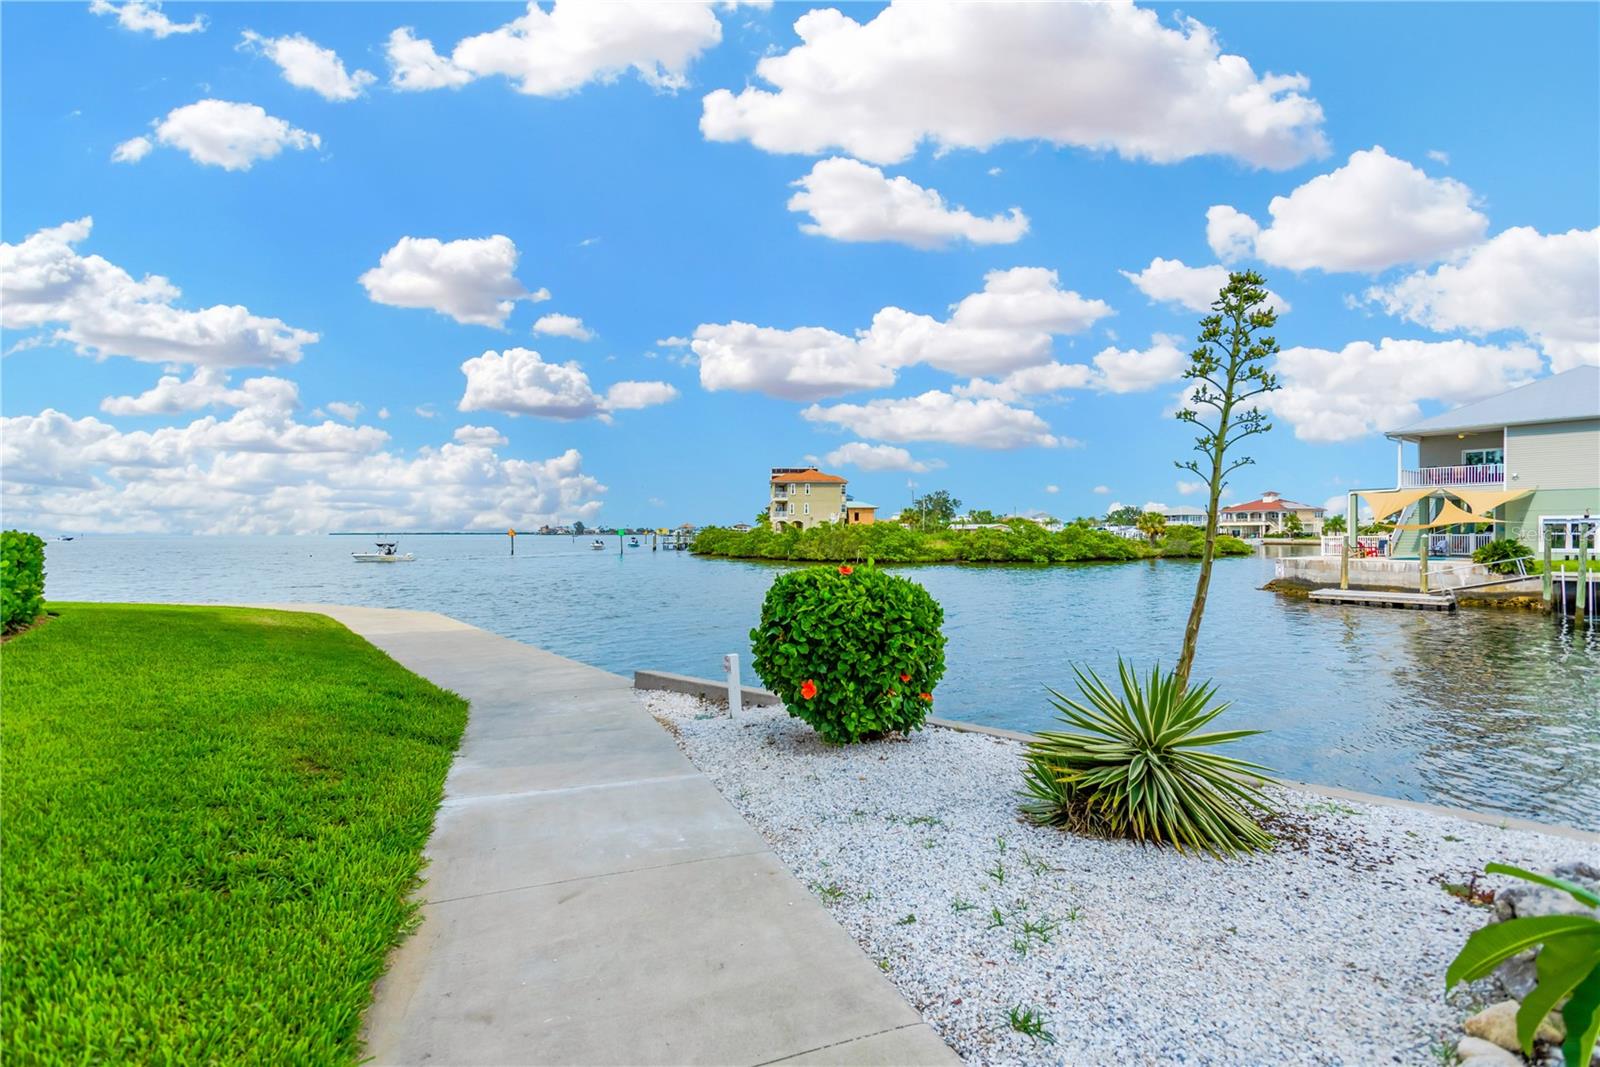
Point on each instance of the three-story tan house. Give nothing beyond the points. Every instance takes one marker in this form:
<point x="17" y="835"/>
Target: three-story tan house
<point x="804" y="497"/>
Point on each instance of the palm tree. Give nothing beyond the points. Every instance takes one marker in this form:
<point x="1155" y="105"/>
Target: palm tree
<point x="1333" y="524"/>
<point x="1152" y="524"/>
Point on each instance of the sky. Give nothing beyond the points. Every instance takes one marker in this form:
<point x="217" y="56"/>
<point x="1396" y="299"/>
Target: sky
<point x="273" y="268"/>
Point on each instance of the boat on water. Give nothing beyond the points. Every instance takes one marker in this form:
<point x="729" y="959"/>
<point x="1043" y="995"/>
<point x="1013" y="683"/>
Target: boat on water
<point x="597" y="544"/>
<point x="387" y="553"/>
<point x="633" y="542"/>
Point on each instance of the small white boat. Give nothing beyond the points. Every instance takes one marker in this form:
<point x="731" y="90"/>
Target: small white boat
<point x="386" y="554"/>
<point x="633" y="542"/>
<point x="597" y="544"/>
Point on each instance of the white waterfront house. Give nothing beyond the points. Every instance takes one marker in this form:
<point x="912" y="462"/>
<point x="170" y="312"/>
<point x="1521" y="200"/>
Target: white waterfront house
<point x="1524" y="464"/>
<point x="1182" y="516"/>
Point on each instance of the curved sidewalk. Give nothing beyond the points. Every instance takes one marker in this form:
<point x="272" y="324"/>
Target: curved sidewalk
<point x="592" y="899"/>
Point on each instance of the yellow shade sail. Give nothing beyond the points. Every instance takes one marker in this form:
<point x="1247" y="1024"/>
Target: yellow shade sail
<point x="1449" y="515"/>
<point x="1484" y="501"/>
<point x="1385" y="504"/>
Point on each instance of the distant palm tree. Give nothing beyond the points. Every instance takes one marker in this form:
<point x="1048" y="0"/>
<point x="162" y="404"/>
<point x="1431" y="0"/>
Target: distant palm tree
<point x="1333" y="524"/>
<point x="1152" y="524"/>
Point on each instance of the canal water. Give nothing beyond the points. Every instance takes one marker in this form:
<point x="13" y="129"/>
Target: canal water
<point x="1493" y="710"/>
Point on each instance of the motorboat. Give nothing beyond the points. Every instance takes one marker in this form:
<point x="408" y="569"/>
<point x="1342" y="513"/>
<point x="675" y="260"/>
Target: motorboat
<point x="598" y="545"/>
<point x="386" y="554"/>
<point x="633" y="542"/>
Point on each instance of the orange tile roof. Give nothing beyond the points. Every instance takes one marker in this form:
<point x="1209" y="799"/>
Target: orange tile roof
<point x="810" y="477"/>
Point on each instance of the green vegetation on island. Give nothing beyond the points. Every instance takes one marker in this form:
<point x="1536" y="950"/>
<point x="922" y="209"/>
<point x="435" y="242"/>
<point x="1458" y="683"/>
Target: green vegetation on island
<point x="1023" y="541"/>
<point x="213" y="819"/>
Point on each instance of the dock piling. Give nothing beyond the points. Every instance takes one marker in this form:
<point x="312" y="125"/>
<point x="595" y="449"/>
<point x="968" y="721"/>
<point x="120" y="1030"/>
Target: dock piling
<point x="1344" y="564"/>
<point x="1422" y="562"/>
<point x="1545" y="585"/>
<point x="1580" y="607"/>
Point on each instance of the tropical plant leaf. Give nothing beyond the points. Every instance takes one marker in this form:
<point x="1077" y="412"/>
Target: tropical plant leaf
<point x="1563" y="963"/>
<point x="1494" y="944"/>
<point x="1582" y="1016"/>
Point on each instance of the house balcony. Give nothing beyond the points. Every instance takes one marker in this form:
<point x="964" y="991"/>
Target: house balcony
<point x="1486" y="474"/>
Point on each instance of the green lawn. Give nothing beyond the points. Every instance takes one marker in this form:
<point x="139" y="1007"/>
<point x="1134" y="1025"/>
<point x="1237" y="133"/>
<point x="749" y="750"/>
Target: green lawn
<point x="210" y="821"/>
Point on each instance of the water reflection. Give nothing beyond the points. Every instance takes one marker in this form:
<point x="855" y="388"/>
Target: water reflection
<point x="1493" y="710"/>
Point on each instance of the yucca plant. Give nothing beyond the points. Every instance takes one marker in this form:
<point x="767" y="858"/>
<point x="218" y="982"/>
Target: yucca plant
<point x="1567" y="966"/>
<point x="1141" y="768"/>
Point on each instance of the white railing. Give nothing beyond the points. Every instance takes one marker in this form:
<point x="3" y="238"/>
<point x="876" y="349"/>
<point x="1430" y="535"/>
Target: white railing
<point x="1457" y="544"/>
<point x="1478" y="474"/>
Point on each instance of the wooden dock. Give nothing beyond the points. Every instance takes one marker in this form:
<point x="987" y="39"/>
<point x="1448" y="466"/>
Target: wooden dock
<point x="1387" y="598"/>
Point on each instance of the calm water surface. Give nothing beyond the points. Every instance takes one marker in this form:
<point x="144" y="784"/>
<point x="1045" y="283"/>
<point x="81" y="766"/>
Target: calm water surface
<point x="1497" y="711"/>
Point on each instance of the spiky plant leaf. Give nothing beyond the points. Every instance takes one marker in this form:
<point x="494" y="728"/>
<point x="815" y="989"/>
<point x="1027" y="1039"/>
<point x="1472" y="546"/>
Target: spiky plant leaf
<point x="1136" y="765"/>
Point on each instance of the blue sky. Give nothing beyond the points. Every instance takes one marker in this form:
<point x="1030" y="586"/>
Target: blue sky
<point x="1437" y="164"/>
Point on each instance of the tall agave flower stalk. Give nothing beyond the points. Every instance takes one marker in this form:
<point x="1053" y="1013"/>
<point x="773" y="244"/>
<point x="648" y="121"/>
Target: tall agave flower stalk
<point x="1140" y="767"/>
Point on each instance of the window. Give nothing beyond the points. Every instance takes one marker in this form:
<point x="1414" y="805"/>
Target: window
<point x="1563" y="532"/>
<point x="1478" y="457"/>
<point x="808" y="489"/>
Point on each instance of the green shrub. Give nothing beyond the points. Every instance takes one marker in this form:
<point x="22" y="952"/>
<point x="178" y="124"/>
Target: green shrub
<point x="21" y="579"/>
<point x="1568" y="965"/>
<point x="1498" y="554"/>
<point x="1138" y="768"/>
<point x="853" y="651"/>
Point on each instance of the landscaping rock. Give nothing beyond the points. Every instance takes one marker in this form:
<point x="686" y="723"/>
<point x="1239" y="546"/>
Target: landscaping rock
<point x="1498" y="1023"/>
<point x="1476" y="1052"/>
<point x="1519" y="974"/>
<point x="1525" y="900"/>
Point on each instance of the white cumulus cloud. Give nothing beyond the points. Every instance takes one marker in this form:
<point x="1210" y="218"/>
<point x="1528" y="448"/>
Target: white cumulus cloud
<point x="132" y="150"/>
<point x="1097" y="76"/>
<point x="1365" y="388"/>
<point x="939" y="416"/>
<point x="206" y="387"/>
<point x="1543" y="286"/>
<point x="518" y="381"/>
<point x="145" y="16"/>
<point x="560" y="50"/>
<point x="851" y="201"/>
<point x="471" y="280"/>
<point x="557" y="325"/>
<point x="1373" y="213"/>
<point x="104" y="311"/>
<point x="1007" y="325"/>
<point x="1171" y="281"/>
<point x="307" y="65"/>
<point x="1230" y="232"/>
<point x="867" y="457"/>
<point x="1114" y="370"/>
<point x="222" y="133"/>
<point x="262" y="472"/>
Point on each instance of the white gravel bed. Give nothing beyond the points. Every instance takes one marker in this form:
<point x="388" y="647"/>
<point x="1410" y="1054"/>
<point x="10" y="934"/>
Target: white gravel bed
<point x="1329" y="950"/>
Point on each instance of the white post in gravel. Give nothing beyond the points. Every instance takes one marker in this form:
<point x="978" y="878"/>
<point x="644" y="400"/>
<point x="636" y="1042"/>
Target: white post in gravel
<point x="730" y="664"/>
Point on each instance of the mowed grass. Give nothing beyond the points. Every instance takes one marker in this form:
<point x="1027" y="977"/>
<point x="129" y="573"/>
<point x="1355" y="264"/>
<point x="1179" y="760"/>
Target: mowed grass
<point x="209" y="823"/>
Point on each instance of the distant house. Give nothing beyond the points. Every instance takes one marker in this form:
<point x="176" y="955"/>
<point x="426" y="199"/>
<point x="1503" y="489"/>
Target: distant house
<point x="741" y="527"/>
<point x="805" y="497"/>
<point x="859" y="513"/>
<point x="1269" y="517"/>
<point x="1523" y="464"/>
<point x="1181" y="516"/>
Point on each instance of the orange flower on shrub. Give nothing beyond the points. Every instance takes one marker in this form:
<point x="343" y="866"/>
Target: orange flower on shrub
<point x="926" y="696"/>
<point x="905" y="677"/>
<point x="808" y="689"/>
<point x="847" y="569"/>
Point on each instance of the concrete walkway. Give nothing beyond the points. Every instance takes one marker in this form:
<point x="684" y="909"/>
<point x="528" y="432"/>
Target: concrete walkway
<point x="592" y="899"/>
